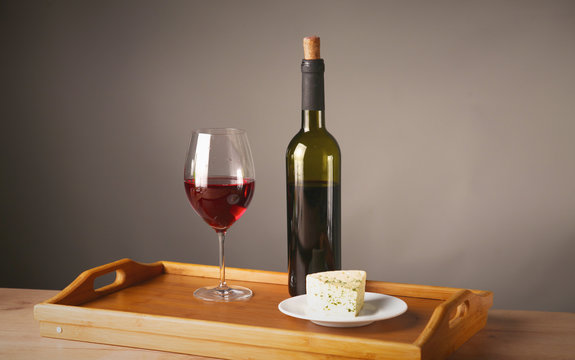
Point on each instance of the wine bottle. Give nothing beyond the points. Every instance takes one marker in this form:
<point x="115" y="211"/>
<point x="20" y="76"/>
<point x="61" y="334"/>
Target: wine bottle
<point x="313" y="182"/>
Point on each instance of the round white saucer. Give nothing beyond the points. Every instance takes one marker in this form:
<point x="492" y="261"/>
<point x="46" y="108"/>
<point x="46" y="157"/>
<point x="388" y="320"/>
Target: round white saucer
<point x="376" y="307"/>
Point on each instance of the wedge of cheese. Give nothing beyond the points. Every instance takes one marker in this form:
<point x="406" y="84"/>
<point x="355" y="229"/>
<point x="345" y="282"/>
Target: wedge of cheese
<point x="336" y="292"/>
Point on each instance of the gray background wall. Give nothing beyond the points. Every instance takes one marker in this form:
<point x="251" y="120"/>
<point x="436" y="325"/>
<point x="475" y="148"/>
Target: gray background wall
<point x="456" y="121"/>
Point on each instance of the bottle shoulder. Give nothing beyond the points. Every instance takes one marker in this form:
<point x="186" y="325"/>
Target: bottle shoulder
<point x="314" y="141"/>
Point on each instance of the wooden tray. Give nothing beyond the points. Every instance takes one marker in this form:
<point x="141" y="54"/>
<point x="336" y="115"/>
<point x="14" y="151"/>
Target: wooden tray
<point x="151" y="306"/>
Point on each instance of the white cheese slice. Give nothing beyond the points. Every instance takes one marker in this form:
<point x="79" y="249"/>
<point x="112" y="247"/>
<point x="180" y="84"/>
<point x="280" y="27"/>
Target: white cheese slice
<point x="336" y="292"/>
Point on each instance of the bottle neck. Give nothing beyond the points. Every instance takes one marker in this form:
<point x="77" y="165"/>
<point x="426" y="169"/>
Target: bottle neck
<point x="312" y="120"/>
<point x="312" y="100"/>
<point x="313" y="97"/>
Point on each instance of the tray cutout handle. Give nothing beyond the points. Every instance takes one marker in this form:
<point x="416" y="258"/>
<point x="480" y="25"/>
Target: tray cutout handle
<point x="102" y="282"/>
<point x="128" y="273"/>
<point x="460" y="313"/>
<point x="454" y="322"/>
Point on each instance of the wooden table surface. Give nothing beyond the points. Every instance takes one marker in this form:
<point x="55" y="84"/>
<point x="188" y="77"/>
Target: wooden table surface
<point x="508" y="335"/>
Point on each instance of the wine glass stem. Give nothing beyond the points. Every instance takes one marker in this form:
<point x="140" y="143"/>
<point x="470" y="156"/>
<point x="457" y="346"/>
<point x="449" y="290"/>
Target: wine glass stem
<point x="222" y="238"/>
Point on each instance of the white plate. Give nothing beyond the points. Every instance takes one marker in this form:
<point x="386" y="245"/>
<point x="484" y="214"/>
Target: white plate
<point x="376" y="307"/>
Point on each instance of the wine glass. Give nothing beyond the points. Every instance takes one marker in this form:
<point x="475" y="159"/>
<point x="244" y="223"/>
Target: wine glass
<point x="219" y="178"/>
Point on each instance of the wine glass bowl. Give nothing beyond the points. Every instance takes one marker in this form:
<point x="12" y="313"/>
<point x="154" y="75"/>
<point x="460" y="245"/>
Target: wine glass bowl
<point x="219" y="179"/>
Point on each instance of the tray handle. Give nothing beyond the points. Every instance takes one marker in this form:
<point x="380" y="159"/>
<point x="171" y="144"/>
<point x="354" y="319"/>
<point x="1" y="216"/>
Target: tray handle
<point x="128" y="273"/>
<point x="454" y="322"/>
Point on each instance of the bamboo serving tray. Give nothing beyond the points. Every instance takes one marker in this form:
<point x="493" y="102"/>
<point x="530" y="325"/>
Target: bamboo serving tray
<point x="152" y="306"/>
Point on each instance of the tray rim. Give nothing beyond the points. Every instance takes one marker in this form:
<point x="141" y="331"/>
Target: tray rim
<point x="462" y="313"/>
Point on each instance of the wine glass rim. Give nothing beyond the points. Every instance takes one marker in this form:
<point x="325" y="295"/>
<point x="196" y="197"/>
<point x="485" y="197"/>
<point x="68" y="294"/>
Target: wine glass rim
<point x="219" y="131"/>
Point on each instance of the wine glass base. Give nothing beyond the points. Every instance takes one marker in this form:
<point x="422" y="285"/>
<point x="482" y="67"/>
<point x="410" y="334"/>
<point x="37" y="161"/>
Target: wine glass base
<point x="225" y="294"/>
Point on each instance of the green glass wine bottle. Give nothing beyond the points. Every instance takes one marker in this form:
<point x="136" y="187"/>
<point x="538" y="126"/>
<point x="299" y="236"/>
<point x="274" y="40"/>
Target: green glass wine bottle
<point x="313" y="168"/>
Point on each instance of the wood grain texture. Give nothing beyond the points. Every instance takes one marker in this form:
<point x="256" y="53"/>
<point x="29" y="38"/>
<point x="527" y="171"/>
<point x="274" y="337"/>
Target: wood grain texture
<point x="508" y="335"/>
<point x="152" y="306"/>
<point x="270" y="277"/>
<point x="525" y="335"/>
<point x="20" y="338"/>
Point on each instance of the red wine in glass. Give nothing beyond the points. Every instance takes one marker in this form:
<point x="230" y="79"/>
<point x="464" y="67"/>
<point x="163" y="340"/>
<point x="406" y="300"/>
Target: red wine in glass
<point x="219" y="178"/>
<point x="221" y="201"/>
